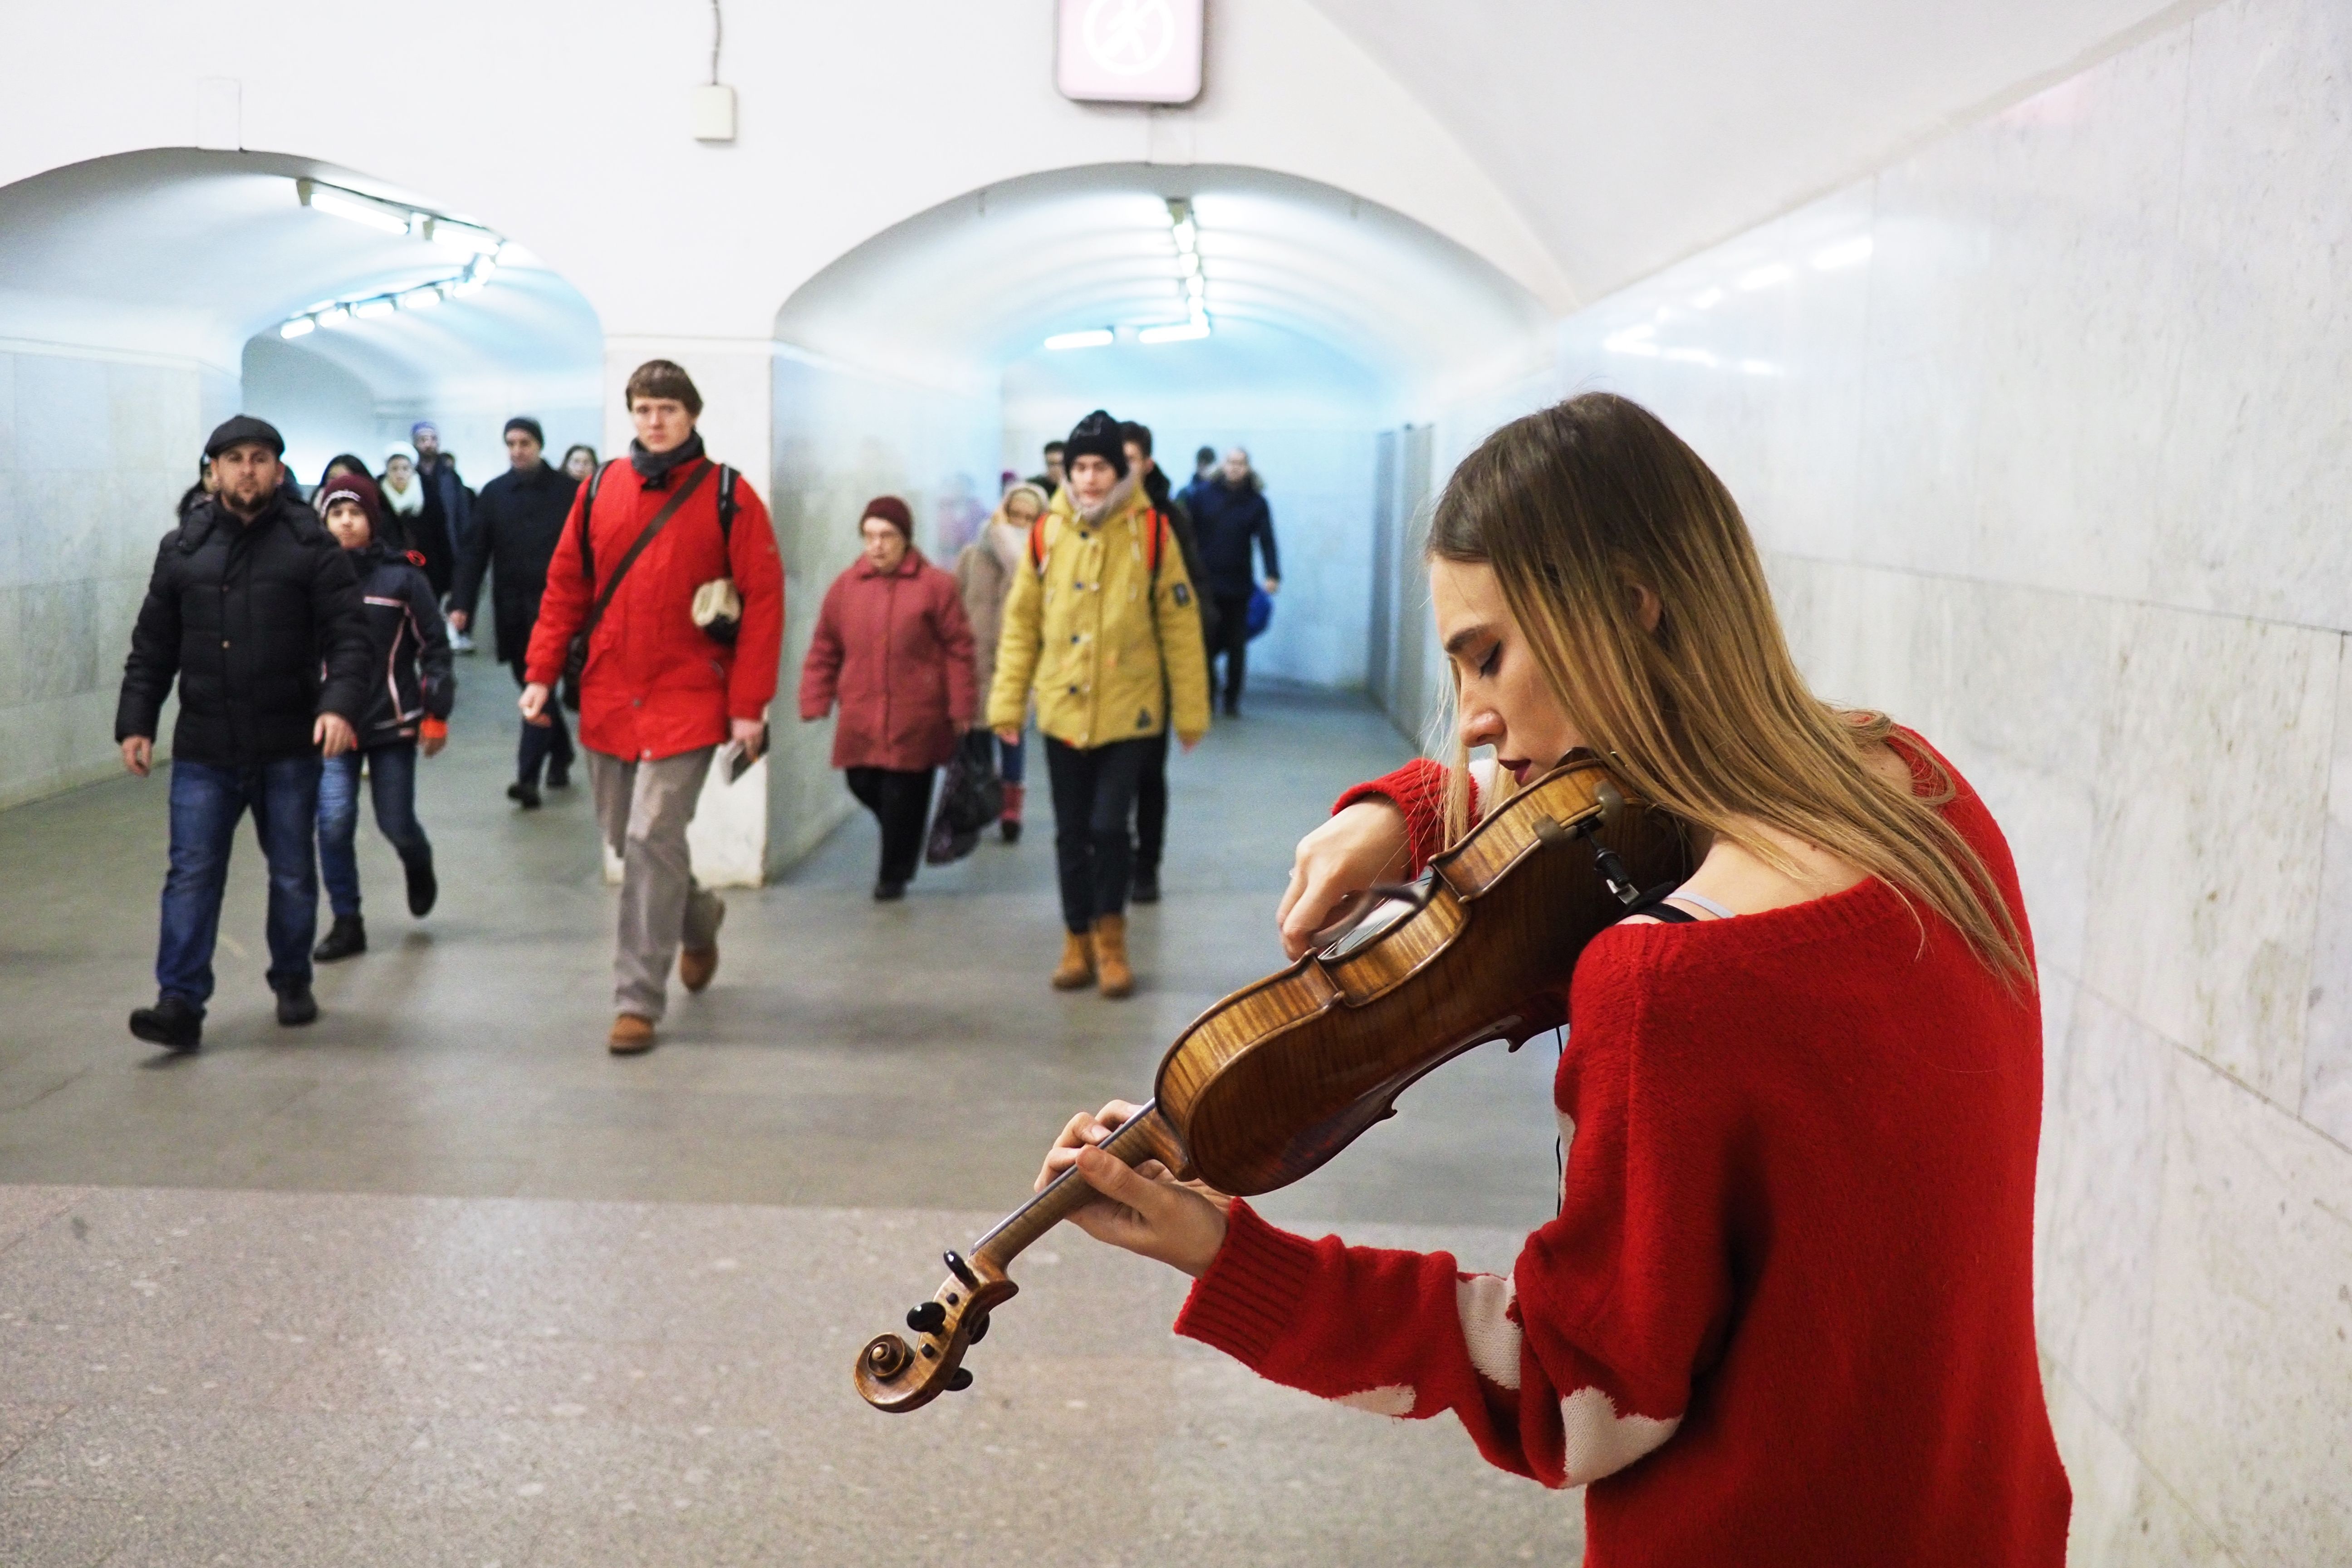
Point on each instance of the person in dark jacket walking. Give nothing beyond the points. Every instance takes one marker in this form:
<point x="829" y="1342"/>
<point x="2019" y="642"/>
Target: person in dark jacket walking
<point x="254" y="612"/>
<point x="448" y="512"/>
<point x="1151" y="789"/>
<point x="410" y="694"/>
<point x="893" y="646"/>
<point x="1231" y="516"/>
<point x="518" y="517"/>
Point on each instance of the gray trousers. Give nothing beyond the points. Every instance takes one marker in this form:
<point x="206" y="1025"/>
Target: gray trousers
<point x="642" y="809"/>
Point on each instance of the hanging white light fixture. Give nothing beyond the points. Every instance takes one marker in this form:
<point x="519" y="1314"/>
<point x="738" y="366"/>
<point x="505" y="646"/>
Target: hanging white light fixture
<point x="1090" y="338"/>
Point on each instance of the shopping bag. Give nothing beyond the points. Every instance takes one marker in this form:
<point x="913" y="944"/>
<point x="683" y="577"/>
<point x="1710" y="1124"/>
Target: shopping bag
<point x="970" y="797"/>
<point x="1261" y="613"/>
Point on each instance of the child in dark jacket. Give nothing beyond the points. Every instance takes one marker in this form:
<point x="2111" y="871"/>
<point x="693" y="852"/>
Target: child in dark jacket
<point x="412" y="692"/>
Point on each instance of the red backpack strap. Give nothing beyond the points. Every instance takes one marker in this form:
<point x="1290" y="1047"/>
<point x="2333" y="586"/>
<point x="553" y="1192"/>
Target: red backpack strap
<point x="1038" y="544"/>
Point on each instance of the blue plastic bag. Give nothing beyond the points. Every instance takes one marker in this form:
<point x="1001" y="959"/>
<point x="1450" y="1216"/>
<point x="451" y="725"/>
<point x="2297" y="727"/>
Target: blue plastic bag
<point x="1261" y="613"/>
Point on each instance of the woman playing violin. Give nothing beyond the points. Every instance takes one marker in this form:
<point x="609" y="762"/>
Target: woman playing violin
<point x="1785" y="1313"/>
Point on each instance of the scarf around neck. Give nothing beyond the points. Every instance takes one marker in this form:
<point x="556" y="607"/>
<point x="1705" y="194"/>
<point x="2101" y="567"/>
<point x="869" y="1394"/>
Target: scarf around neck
<point x="402" y="503"/>
<point x="1109" y="506"/>
<point x="653" y="466"/>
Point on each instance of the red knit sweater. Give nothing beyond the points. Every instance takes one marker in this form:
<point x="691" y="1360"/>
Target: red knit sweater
<point x="1785" y="1315"/>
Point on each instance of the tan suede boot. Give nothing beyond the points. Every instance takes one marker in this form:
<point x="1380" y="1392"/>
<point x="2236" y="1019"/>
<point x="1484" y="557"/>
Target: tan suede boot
<point x="1110" y="955"/>
<point x="631" y="1037"/>
<point x="1077" y="967"/>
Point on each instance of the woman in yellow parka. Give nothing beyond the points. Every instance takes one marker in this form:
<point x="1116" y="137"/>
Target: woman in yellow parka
<point x="1105" y="624"/>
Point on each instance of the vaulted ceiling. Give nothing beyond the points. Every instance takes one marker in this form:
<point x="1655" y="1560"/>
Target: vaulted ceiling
<point x="1631" y="135"/>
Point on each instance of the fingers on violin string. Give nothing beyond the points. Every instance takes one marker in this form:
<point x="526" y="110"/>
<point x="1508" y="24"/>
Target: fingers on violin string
<point x="1115" y="1114"/>
<point x="1074" y="1131"/>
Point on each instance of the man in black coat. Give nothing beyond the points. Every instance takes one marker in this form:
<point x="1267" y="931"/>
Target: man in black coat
<point x="253" y="609"/>
<point x="1231" y="517"/>
<point x="518" y="517"/>
<point x="449" y="509"/>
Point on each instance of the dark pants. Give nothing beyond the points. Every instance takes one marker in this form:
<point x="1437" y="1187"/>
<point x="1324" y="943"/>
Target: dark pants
<point x="1011" y="757"/>
<point x="548" y="745"/>
<point x="1094" y="790"/>
<point x="206" y="802"/>
<point x="901" y="803"/>
<point x="391" y="782"/>
<point x="1233" y="641"/>
<point x="1151" y="808"/>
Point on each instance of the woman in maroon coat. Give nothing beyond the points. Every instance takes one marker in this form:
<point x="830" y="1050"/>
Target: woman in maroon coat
<point x="894" y="647"/>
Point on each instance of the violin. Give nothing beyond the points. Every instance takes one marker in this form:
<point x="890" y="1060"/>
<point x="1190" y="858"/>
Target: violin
<point x="1269" y="1084"/>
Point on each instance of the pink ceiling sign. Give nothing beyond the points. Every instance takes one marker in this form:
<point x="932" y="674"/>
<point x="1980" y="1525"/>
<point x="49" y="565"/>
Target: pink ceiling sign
<point x="1130" y="51"/>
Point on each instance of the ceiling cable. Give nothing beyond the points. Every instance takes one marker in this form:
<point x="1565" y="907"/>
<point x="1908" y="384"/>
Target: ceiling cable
<point x="717" y="35"/>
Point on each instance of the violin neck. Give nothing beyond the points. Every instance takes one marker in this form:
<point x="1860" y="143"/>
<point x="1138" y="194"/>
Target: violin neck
<point x="1146" y="1135"/>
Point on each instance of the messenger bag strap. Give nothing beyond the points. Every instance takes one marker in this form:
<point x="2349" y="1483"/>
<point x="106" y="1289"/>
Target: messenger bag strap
<point x="660" y="521"/>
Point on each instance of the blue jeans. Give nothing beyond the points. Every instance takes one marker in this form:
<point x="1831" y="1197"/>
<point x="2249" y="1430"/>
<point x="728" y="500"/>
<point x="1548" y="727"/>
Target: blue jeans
<point x="1009" y="759"/>
<point x="392" y="782"/>
<point x="206" y="802"/>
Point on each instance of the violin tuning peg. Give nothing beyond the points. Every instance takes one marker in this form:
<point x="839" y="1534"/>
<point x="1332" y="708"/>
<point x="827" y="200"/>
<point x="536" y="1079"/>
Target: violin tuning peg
<point x="959" y="1381"/>
<point x="928" y="1319"/>
<point x="979" y="1328"/>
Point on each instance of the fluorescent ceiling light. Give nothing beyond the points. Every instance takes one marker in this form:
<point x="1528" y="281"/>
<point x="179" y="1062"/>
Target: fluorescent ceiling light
<point x="368" y="309"/>
<point x="1187" y="233"/>
<point x="1763" y="276"/>
<point x="299" y="327"/>
<point x="1091" y="338"/>
<point x="359" y="209"/>
<point x="1845" y="253"/>
<point x="1185" y="332"/>
<point x="1707" y="301"/>
<point x="465" y="236"/>
<point x="419" y="299"/>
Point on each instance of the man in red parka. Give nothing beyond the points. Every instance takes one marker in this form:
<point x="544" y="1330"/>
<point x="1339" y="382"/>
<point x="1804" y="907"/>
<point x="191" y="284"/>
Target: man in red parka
<point x="660" y="694"/>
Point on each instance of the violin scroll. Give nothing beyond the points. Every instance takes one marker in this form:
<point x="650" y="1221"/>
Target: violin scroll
<point x="895" y="1375"/>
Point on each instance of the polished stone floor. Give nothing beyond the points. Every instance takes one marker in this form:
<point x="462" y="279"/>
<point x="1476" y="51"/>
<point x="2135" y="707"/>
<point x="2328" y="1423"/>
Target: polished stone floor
<point x="438" y="1281"/>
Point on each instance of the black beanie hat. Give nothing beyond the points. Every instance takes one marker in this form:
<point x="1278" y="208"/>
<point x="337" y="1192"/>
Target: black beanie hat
<point x="1097" y="436"/>
<point x="527" y="425"/>
<point x="243" y="429"/>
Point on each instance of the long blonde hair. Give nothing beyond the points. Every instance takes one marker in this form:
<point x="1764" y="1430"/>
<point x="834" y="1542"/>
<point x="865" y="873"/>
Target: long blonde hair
<point x="1575" y="507"/>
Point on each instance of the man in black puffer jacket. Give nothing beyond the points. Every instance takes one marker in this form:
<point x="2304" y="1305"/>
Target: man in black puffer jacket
<point x="254" y="612"/>
<point x="518" y="517"/>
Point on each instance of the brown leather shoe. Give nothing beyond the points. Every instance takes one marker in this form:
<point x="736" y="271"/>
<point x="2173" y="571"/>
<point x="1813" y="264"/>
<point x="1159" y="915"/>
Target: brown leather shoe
<point x="631" y="1037"/>
<point x="1077" y="966"/>
<point x="1110" y="955"/>
<point x="696" y="965"/>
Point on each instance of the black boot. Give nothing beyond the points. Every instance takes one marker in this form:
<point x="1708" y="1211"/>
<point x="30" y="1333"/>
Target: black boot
<point x="422" y="888"/>
<point x="345" y="939"/>
<point x="524" y="795"/>
<point x="171" y="1023"/>
<point x="1145" y="890"/>
<point x="297" y="1006"/>
<point x="887" y="891"/>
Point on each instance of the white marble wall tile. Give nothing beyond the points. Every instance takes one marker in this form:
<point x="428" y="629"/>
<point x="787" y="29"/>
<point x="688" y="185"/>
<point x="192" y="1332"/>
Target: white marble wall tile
<point x="2103" y="1139"/>
<point x="2251" y="506"/>
<point x="2017" y="440"/>
<point x="2248" y="1392"/>
<point x="2205" y="866"/>
<point x="2125" y="1515"/>
<point x="8" y="441"/>
<point x="62" y="417"/>
<point x="2327" y="1043"/>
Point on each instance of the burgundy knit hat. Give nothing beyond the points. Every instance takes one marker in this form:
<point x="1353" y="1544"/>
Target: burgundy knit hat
<point x="358" y="488"/>
<point x="892" y="510"/>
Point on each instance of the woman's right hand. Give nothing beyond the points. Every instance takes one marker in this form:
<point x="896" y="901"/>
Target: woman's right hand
<point x="1009" y="737"/>
<point x="1358" y="848"/>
